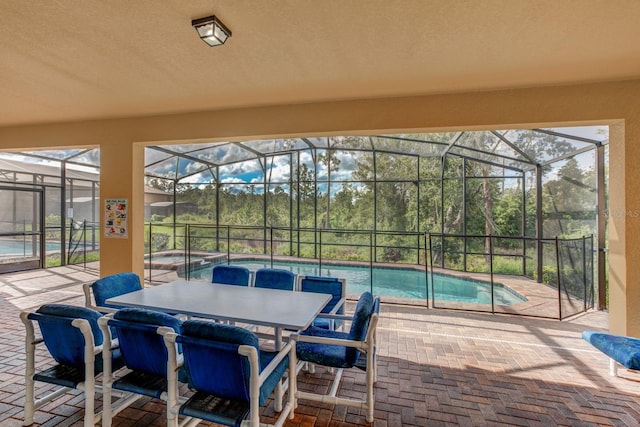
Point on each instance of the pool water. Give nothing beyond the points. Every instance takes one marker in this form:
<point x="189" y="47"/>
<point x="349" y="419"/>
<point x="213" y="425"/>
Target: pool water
<point x="396" y="282"/>
<point x="20" y="247"/>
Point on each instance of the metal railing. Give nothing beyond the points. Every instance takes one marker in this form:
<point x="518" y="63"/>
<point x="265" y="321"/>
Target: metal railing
<point x="564" y="270"/>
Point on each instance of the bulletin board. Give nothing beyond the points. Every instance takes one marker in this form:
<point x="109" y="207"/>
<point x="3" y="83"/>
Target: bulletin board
<point x="116" y="222"/>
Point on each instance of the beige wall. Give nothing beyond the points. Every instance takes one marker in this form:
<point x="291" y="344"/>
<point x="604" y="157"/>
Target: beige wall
<point x="121" y="143"/>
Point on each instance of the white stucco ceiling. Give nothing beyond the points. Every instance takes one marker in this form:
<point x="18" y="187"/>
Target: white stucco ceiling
<point x="76" y="60"/>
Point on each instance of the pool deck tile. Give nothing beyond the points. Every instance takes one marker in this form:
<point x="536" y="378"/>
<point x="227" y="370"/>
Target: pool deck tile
<point x="436" y="368"/>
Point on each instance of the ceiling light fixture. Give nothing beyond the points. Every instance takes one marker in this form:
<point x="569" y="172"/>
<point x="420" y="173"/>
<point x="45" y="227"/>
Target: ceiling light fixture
<point x="211" y="30"/>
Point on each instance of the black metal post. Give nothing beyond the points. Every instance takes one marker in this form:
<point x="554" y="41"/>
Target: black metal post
<point x="559" y="275"/>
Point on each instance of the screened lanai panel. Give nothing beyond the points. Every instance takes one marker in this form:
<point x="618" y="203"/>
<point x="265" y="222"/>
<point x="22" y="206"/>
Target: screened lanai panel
<point x="250" y="171"/>
<point x="569" y="197"/>
<point x="488" y="147"/>
<point x="278" y="169"/>
<point x="453" y="167"/>
<point x="275" y="146"/>
<point x="89" y="158"/>
<point x="164" y="169"/>
<point x="544" y="147"/>
<point x="589" y="133"/>
<point x="430" y="167"/>
<point x="481" y="169"/>
<point x="223" y="153"/>
<point x="54" y="154"/>
<point x="317" y="142"/>
<point x="204" y="176"/>
<point x="350" y="142"/>
<point x="187" y="167"/>
<point x="279" y="212"/>
<point x="395" y="206"/>
<point x="189" y="148"/>
<point x="393" y="167"/>
<point x="152" y="156"/>
<point x="416" y="145"/>
<point x="335" y="165"/>
<point x="350" y="163"/>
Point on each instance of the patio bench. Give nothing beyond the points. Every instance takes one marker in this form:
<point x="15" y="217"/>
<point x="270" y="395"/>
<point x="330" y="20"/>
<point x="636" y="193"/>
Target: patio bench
<point x="620" y="349"/>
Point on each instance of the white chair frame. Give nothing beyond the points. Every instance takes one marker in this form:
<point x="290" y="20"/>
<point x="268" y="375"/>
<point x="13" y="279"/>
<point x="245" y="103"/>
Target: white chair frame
<point x="89" y="300"/>
<point x="367" y="346"/>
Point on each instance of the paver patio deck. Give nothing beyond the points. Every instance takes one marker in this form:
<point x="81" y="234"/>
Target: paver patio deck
<point x="436" y="368"/>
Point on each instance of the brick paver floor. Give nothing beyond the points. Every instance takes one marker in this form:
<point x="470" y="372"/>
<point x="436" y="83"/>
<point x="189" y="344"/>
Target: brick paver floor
<point x="436" y="368"/>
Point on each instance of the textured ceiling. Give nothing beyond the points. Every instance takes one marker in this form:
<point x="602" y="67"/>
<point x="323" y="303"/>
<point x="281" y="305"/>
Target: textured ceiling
<point x="64" y="60"/>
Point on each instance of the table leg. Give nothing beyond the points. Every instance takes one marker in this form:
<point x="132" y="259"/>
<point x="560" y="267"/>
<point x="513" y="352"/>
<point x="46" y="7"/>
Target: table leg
<point x="278" y="392"/>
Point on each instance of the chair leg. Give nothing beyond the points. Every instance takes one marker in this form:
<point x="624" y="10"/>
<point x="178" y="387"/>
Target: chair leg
<point x="613" y="368"/>
<point x="29" y="398"/>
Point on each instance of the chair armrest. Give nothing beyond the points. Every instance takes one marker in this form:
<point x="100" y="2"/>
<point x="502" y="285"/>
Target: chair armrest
<point x="165" y="332"/>
<point x="284" y="352"/>
<point x="86" y="289"/>
<point x="344" y="317"/>
<point x="337" y="306"/>
<point x="360" y="345"/>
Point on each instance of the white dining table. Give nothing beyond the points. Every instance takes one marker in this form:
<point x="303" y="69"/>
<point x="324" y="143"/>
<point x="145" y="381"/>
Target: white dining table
<point x="256" y="306"/>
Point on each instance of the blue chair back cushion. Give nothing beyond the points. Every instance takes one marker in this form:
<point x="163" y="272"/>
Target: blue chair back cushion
<point x="361" y="316"/>
<point x="212" y="360"/>
<point x="64" y="341"/>
<point x="274" y="278"/>
<point x="324" y="285"/>
<point x="214" y="366"/>
<point x="231" y="275"/>
<point x="142" y="348"/>
<point x="113" y="286"/>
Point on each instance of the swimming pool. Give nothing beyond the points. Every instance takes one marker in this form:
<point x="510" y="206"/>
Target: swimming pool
<point x="395" y="282"/>
<point x="23" y="247"/>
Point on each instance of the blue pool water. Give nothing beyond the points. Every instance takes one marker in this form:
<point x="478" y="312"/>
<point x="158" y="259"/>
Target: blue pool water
<point x="403" y="283"/>
<point x="20" y="247"/>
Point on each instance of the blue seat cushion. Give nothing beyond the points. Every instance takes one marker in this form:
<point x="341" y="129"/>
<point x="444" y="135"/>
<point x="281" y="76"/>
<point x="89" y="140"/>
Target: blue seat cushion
<point x="624" y="350"/>
<point x="334" y="356"/>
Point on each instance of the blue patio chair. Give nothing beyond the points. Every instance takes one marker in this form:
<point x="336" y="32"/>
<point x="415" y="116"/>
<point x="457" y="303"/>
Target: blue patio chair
<point x="342" y="350"/>
<point x="327" y="285"/>
<point x="231" y="275"/>
<point x="275" y="278"/>
<point x="231" y="375"/>
<point x="74" y="340"/>
<point x="109" y="287"/>
<point x="144" y="353"/>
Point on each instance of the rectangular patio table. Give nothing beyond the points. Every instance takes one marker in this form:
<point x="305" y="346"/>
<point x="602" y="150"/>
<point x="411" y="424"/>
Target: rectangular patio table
<point x="257" y="306"/>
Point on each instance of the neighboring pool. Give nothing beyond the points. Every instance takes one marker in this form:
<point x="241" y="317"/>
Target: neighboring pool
<point x="396" y="282"/>
<point x="22" y="247"/>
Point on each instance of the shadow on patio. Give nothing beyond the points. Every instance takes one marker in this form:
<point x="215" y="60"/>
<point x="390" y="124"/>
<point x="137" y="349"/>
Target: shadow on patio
<point x="436" y="367"/>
